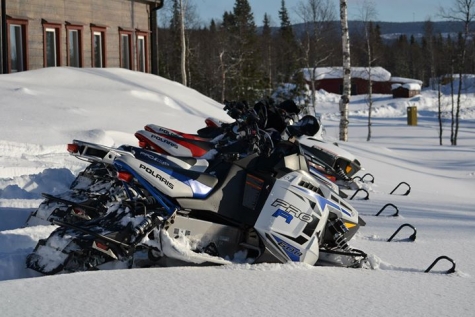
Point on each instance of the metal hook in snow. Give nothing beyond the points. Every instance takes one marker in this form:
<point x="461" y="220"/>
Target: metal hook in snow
<point x="407" y="192"/>
<point x="362" y="177"/>
<point x="361" y="189"/>
<point x="384" y="207"/>
<point x="412" y="237"/>
<point x="452" y="269"/>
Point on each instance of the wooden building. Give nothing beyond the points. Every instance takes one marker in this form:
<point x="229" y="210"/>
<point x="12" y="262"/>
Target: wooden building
<point x="408" y="90"/>
<point x="79" y="33"/>
<point x="330" y="79"/>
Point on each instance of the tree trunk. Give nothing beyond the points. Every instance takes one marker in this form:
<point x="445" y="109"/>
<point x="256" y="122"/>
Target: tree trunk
<point x="370" y="83"/>
<point x="183" y="44"/>
<point x="223" y="76"/>
<point x="452" y="124"/>
<point x="370" y="102"/>
<point x="312" y="107"/>
<point x="457" y="112"/>
<point x="345" y="97"/>
<point x="439" y="94"/>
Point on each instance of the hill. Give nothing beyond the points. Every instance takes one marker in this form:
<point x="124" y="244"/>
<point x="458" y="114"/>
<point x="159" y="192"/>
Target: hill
<point x="391" y="30"/>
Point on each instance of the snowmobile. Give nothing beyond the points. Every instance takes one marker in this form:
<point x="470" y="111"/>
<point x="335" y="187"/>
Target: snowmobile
<point x="264" y="207"/>
<point x="327" y="160"/>
<point x="97" y="185"/>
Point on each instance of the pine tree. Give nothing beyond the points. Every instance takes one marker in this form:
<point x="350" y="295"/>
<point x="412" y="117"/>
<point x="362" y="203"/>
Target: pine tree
<point x="287" y="45"/>
<point x="244" y="79"/>
<point x="267" y="56"/>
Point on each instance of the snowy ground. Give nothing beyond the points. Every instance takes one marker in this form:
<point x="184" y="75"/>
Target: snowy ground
<point x="43" y="110"/>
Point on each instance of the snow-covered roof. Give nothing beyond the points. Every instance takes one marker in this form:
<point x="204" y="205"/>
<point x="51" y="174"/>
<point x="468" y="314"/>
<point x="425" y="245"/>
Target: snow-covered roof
<point x="319" y="73"/>
<point x="408" y="86"/>
<point x="412" y="86"/>
<point x="402" y="80"/>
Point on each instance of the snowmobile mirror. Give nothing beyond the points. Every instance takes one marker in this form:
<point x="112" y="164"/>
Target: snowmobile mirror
<point x="289" y="106"/>
<point x="308" y="125"/>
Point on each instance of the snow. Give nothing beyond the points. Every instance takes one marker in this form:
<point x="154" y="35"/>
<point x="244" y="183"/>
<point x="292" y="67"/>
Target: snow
<point x="43" y="110"/>
<point x="405" y="80"/>
<point x="320" y="73"/>
<point x="408" y="86"/>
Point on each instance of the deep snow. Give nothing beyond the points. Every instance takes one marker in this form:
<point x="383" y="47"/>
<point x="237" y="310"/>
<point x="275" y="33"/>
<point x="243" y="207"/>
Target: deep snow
<point x="43" y="110"/>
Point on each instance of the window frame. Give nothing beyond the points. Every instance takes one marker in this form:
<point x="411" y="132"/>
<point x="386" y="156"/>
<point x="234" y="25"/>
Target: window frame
<point x="129" y="33"/>
<point x="80" y="31"/>
<point x="102" y="30"/>
<point x="23" y="24"/>
<point x="47" y="26"/>
<point x="146" y="36"/>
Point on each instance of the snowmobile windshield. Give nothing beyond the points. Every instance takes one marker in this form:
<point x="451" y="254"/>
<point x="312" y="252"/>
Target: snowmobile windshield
<point x="286" y="155"/>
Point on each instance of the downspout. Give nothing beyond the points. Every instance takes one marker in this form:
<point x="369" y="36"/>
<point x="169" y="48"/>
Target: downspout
<point x="154" y="37"/>
<point x="4" y="58"/>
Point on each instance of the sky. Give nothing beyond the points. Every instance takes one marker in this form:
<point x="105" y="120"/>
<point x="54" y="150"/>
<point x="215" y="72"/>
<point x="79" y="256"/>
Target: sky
<point x="386" y="10"/>
<point x="107" y="106"/>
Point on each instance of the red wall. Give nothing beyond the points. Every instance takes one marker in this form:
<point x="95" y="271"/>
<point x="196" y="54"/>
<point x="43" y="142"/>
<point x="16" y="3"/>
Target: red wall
<point x="359" y="86"/>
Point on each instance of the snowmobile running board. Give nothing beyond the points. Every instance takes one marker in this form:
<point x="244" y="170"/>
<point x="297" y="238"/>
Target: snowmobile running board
<point x="94" y="234"/>
<point x="68" y="202"/>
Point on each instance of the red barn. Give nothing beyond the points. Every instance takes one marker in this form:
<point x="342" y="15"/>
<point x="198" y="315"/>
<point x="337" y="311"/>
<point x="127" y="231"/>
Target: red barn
<point x="330" y="79"/>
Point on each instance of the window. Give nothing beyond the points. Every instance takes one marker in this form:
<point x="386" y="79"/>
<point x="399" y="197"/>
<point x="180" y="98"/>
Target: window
<point x="51" y="44"/>
<point x="142" y="51"/>
<point x="51" y="56"/>
<point x="97" y="55"/>
<point x="98" y="39"/>
<point x="75" y="45"/>
<point x="17" y="45"/>
<point x="125" y="48"/>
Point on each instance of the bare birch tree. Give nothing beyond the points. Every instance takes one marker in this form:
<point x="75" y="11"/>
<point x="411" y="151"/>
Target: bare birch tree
<point x="463" y="11"/>
<point x="345" y="97"/>
<point x="367" y="14"/>
<point x="182" y="10"/>
<point x="439" y="104"/>
<point x="317" y="16"/>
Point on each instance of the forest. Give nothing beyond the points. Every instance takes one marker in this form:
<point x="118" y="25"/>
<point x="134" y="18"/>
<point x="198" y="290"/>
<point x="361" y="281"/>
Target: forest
<point x="231" y="58"/>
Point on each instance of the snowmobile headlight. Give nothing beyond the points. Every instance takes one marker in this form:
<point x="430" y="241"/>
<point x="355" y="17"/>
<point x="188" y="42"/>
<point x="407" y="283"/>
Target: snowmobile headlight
<point x="348" y="169"/>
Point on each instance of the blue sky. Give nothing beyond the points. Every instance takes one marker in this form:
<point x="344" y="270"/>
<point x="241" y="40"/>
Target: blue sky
<point x="387" y="10"/>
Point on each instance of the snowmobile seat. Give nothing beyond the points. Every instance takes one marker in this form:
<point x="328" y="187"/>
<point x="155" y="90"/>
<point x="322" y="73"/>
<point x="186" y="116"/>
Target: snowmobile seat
<point x="188" y="176"/>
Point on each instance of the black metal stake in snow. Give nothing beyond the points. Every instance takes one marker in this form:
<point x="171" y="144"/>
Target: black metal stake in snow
<point x="362" y="177"/>
<point x="412" y="237"/>
<point x="408" y="189"/>
<point x="359" y="190"/>
<point x="452" y="269"/>
<point x="384" y="207"/>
